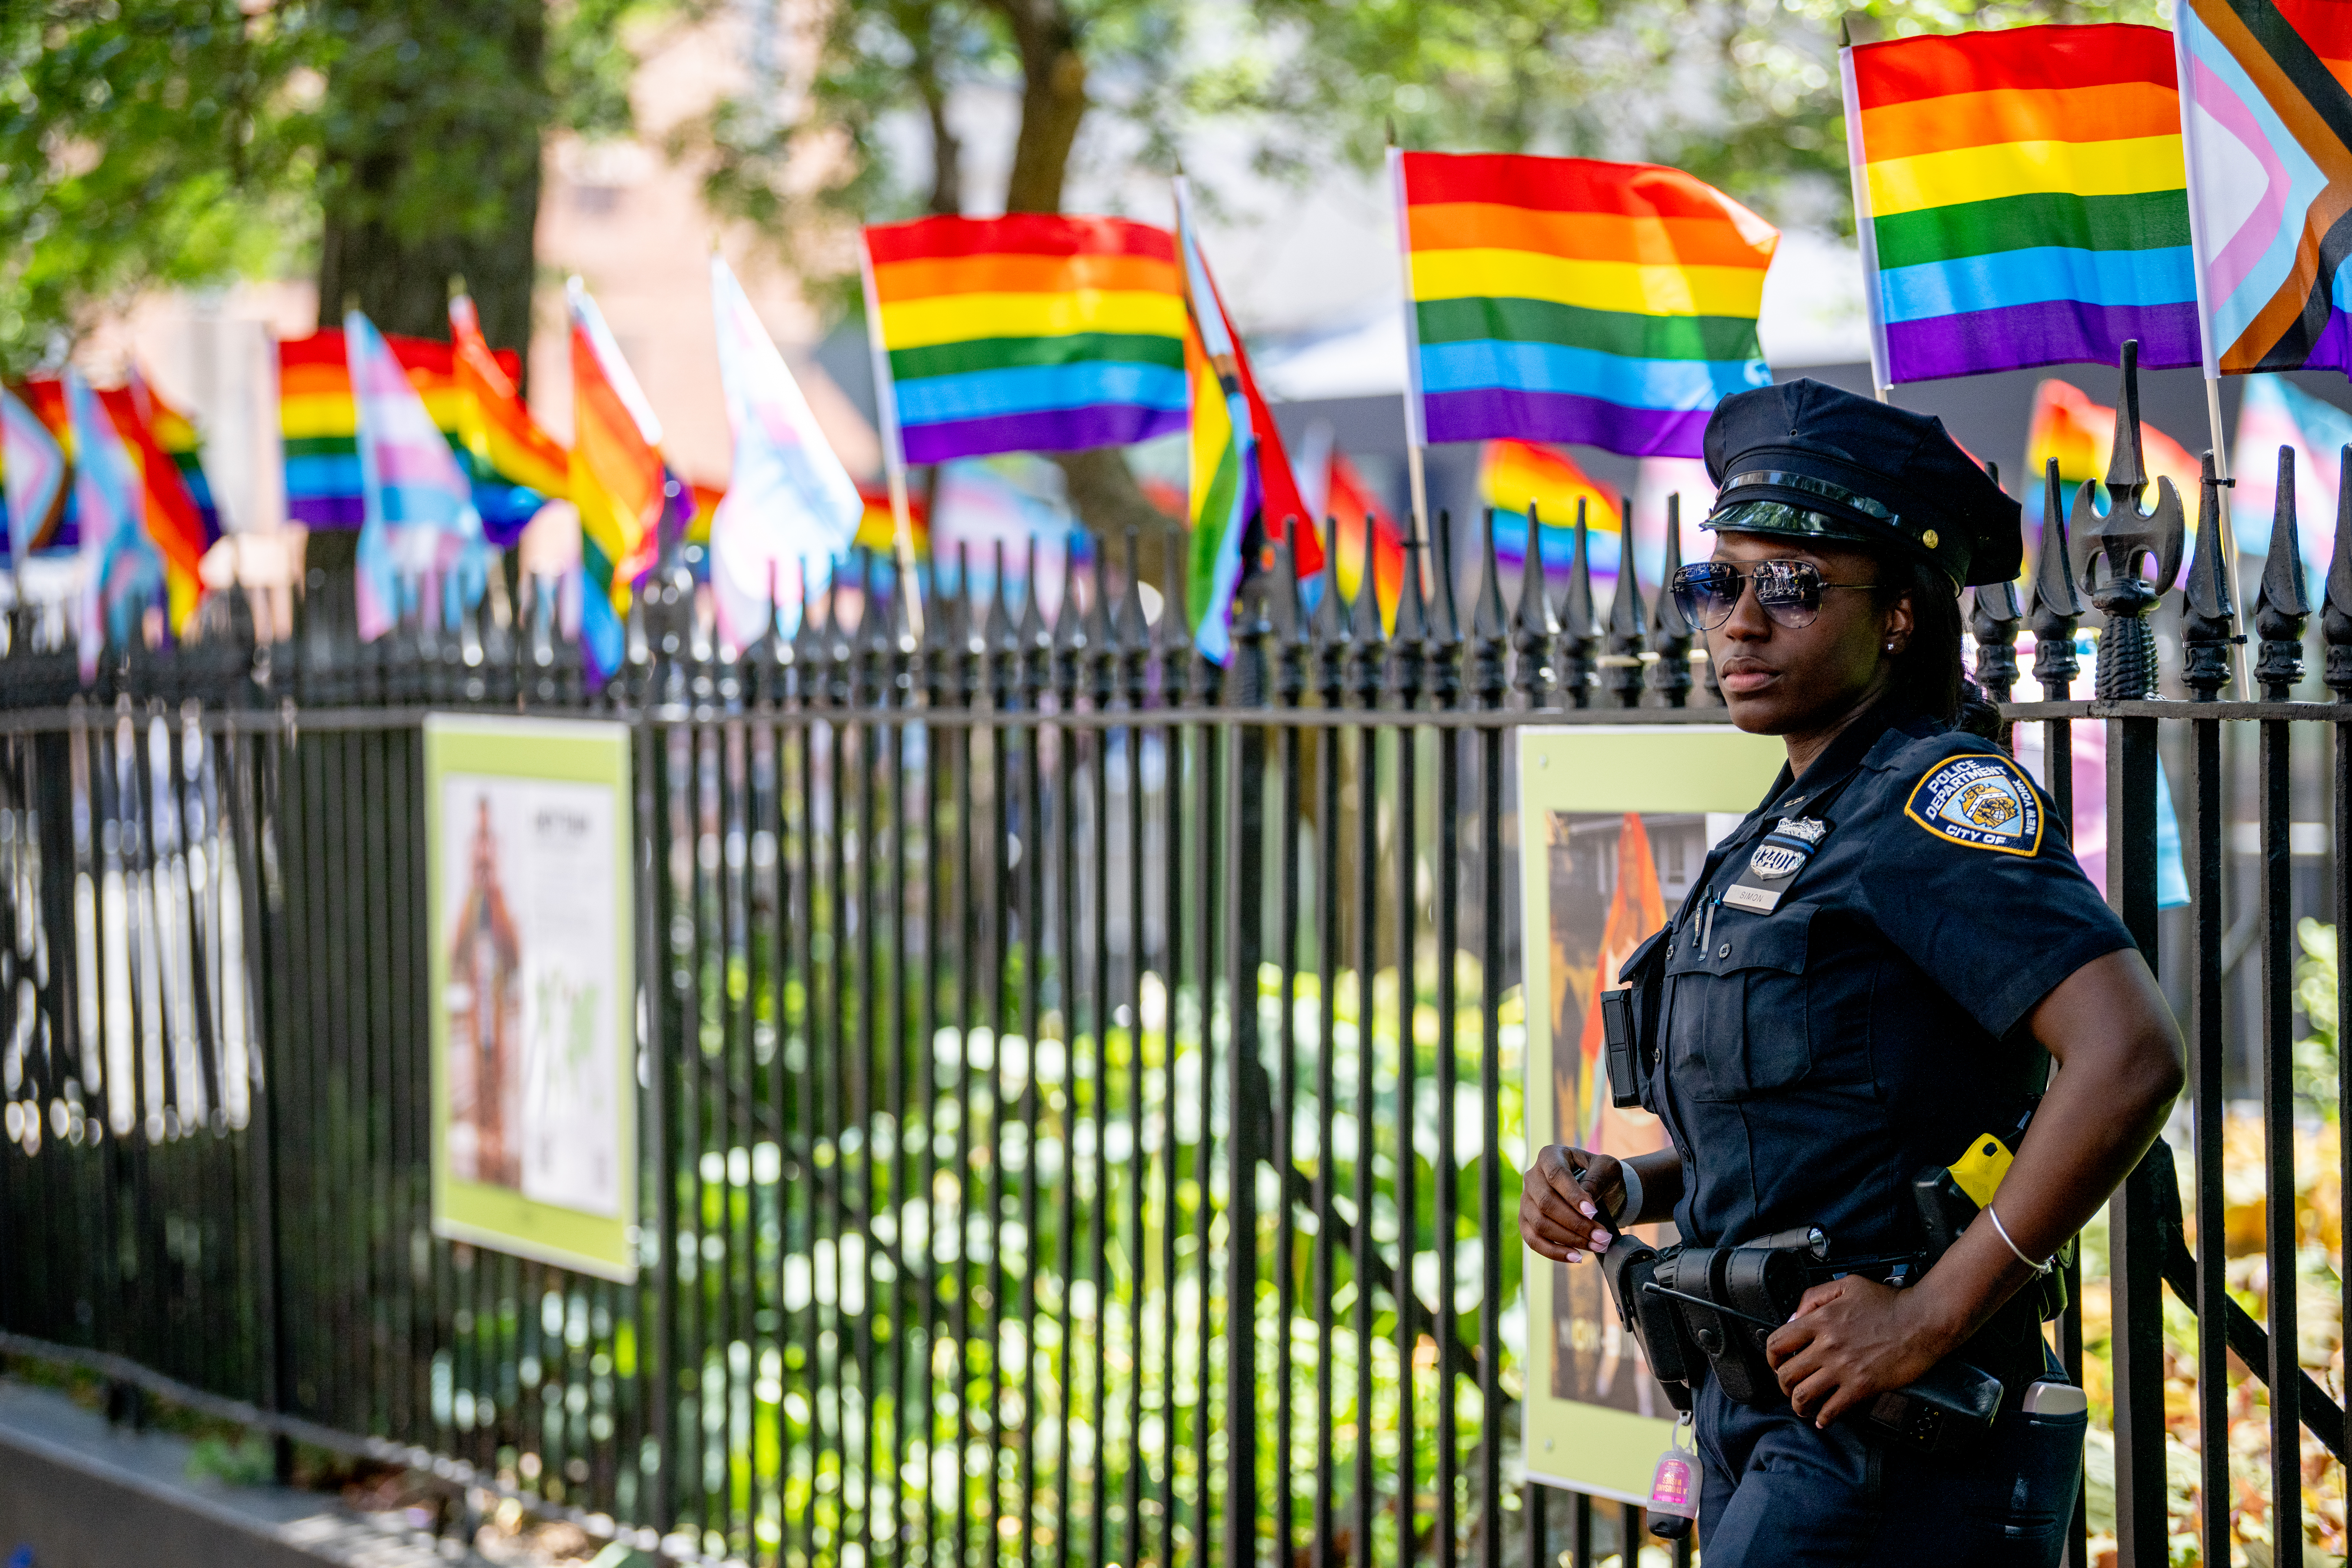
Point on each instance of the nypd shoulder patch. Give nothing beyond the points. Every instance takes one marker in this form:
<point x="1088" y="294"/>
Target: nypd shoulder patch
<point x="1985" y="803"/>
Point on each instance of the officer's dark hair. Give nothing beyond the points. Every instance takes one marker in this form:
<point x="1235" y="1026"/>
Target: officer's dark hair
<point x="1928" y="672"/>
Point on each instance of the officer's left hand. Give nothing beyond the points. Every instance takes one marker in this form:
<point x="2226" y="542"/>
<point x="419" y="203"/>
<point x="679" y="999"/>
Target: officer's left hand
<point x="1850" y="1340"/>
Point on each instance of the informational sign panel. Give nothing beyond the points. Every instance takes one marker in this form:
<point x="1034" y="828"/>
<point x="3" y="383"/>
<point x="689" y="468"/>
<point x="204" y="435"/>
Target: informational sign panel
<point x="1614" y="825"/>
<point x="534" y="1058"/>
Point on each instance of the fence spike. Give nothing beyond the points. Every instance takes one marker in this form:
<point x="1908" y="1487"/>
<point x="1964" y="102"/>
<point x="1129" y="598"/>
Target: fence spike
<point x="1366" y="641"/>
<point x="2209" y="603"/>
<point x="1992" y="618"/>
<point x="876" y="648"/>
<point x="2126" y="473"/>
<point x="2335" y="614"/>
<point x="1172" y="641"/>
<point x="1445" y="626"/>
<point x="966" y="635"/>
<point x="1002" y="636"/>
<point x="1488" y="628"/>
<point x="1069" y="634"/>
<point x="1331" y="627"/>
<point x="1290" y="622"/>
<point x="1621" y="673"/>
<point x="1132" y="628"/>
<point x="2122" y="540"/>
<point x="1102" y="659"/>
<point x="2055" y="606"/>
<point x="1411" y="639"/>
<point x="1533" y="628"/>
<point x="1580" y="628"/>
<point x="1670" y="630"/>
<point x="1252" y="621"/>
<point x="2281" y="607"/>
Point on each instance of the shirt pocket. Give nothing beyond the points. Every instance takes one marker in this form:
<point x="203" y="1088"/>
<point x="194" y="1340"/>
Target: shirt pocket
<point x="1739" y="1023"/>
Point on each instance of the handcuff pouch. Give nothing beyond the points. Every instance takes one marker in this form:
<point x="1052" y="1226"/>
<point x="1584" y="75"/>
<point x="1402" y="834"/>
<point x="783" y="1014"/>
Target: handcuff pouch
<point x="1626" y="1266"/>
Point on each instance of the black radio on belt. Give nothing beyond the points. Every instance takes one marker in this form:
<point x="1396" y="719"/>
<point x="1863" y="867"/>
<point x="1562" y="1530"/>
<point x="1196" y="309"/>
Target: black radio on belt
<point x="1617" y="1030"/>
<point x="1629" y="1017"/>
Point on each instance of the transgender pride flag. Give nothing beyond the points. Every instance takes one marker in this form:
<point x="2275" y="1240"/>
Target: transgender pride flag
<point x="2267" y="121"/>
<point x="419" y="512"/>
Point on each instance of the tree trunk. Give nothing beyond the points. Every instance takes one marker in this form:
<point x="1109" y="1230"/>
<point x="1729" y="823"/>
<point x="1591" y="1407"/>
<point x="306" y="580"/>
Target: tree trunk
<point x="435" y="117"/>
<point x="1053" y="103"/>
<point x="1102" y="488"/>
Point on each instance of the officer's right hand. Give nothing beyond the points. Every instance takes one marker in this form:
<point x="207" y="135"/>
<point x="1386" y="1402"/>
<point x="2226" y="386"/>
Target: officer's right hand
<point x="1565" y="1194"/>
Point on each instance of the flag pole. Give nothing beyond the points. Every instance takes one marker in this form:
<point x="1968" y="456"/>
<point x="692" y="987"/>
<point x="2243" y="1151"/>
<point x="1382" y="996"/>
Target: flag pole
<point x="1415" y="434"/>
<point x="2197" y="252"/>
<point x="1865" y="236"/>
<point x="893" y="457"/>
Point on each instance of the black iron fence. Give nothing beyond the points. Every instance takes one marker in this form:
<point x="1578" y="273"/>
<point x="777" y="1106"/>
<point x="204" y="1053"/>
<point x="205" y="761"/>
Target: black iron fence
<point x="1079" y="1110"/>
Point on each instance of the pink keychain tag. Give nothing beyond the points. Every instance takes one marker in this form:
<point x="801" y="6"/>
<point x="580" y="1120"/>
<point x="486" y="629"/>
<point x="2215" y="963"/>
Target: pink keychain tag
<point x="1675" y="1485"/>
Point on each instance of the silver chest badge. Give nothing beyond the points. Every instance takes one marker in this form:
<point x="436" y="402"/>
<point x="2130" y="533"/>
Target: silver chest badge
<point x="1786" y="848"/>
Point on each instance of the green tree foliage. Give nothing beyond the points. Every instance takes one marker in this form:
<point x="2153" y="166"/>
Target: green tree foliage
<point x="388" y="142"/>
<point x="158" y="145"/>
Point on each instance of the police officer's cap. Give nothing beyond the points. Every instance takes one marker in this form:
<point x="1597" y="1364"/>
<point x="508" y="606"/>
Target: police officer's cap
<point x="1805" y="460"/>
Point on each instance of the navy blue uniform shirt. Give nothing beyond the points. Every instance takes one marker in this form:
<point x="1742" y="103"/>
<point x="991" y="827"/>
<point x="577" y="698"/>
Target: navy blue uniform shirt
<point x="1846" y="988"/>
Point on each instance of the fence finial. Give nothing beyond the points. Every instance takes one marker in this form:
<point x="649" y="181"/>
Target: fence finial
<point x="1069" y="634"/>
<point x="1172" y="639"/>
<point x="937" y="654"/>
<point x="2126" y="473"/>
<point x="2057" y="606"/>
<point x="1445" y="627"/>
<point x="1532" y="625"/>
<point x="1411" y="639"/>
<point x="1580" y="628"/>
<point x="1290" y="630"/>
<point x="1992" y="618"/>
<point x="2281" y="607"/>
<point x="1487" y="626"/>
<point x="1627" y="631"/>
<point x="2335" y="612"/>
<point x="1332" y="624"/>
<point x="1366" y="655"/>
<point x="1670" y="632"/>
<point x="877" y="649"/>
<point x="1132" y="628"/>
<point x="1003" y="636"/>
<point x="1102" y="660"/>
<point x="2208" y="613"/>
<point x="2122" y="541"/>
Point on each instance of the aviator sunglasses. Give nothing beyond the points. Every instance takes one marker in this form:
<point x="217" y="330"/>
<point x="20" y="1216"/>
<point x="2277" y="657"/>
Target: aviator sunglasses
<point x="1789" y="591"/>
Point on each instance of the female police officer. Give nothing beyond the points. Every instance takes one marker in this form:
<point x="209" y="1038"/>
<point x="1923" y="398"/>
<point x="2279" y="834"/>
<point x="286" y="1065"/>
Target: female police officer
<point x="1857" y="999"/>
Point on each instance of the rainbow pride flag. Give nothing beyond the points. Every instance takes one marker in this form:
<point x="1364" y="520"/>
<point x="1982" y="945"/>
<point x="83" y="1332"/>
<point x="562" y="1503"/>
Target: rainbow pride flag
<point x="179" y="529"/>
<point x="617" y="478"/>
<point x="1570" y="299"/>
<point x="1354" y="515"/>
<point x="877" y="530"/>
<point x="1222" y="489"/>
<point x="317" y="422"/>
<point x="176" y="437"/>
<point x="2080" y="434"/>
<point x="1514" y="474"/>
<point x="515" y="465"/>
<point x="2268" y="122"/>
<point x="1025" y="334"/>
<point x="2021" y="197"/>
